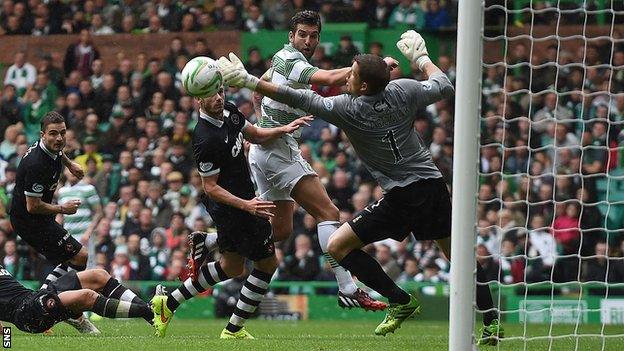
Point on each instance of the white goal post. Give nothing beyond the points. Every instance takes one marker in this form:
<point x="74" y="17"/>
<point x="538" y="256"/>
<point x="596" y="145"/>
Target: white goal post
<point x="538" y="172"/>
<point x="465" y="160"/>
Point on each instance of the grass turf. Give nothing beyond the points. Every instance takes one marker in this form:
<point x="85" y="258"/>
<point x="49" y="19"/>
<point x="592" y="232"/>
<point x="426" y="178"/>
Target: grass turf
<point x="293" y="336"/>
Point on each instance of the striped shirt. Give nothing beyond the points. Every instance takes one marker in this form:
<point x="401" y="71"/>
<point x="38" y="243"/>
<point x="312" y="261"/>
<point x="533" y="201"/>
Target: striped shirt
<point x="76" y="224"/>
<point x="289" y="67"/>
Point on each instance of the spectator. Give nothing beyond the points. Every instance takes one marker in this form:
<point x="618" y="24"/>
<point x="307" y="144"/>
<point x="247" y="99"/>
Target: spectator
<point x="11" y="260"/>
<point x="435" y="16"/>
<point x="160" y="207"/>
<point x="345" y="53"/>
<point x="408" y="12"/>
<point x="159" y="254"/>
<point x="20" y="74"/>
<point x="387" y="262"/>
<point x="120" y="266"/>
<point x="410" y="271"/>
<point x="177" y="231"/>
<point x="138" y="262"/>
<point x="98" y="27"/>
<point x="10" y="107"/>
<point x="230" y="20"/>
<point x="80" y="56"/>
<point x="90" y="148"/>
<point x="304" y="264"/>
<point x="255" y="64"/>
<point x="566" y="229"/>
<point x="255" y="20"/>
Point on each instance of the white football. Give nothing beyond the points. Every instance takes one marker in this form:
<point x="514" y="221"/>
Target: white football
<point x="201" y="77"/>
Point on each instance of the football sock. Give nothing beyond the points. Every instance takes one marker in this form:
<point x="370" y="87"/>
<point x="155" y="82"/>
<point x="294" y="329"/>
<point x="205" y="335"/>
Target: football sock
<point x="55" y="274"/>
<point x="343" y="277"/>
<point x="210" y="274"/>
<point x="368" y="271"/>
<point x="115" y="290"/>
<point x="113" y="308"/>
<point x="251" y="295"/>
<point x="484" y="297"/>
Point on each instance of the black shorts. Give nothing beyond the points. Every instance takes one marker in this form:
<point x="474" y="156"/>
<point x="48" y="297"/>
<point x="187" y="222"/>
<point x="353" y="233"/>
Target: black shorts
<point x="422" y="208"/>
<point x="42" y="309"/>
<point x="49" y="239"/>
<point x="243" y="233"/>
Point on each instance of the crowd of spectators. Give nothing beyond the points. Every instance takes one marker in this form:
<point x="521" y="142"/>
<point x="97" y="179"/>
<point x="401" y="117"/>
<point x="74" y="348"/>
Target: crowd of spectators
<point x="100" y="17"/>
<point x="543" y="154"/>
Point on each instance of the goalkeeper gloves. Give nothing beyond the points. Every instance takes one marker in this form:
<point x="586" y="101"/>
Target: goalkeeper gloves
<point x="234" y="73"/>
<point x="412" y="46"/>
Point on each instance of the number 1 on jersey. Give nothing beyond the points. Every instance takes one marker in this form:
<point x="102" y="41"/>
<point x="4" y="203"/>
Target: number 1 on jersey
<point x="389" y="138"/>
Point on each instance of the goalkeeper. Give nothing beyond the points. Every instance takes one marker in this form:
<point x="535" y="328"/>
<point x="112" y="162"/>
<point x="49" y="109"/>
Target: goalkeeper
<point x="377" y="115"/>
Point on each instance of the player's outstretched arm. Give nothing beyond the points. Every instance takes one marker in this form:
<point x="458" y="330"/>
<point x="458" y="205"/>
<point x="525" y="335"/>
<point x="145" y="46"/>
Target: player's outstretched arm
<point x="339" y="76"/>
<point x="438" y="86"/>
<point x="256" y="206"/>
<point x="257" y="135"/>
<point x="234" y="74"/>
<point x="334" y="77"/>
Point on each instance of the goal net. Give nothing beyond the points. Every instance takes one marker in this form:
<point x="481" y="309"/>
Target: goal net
<point x="550" y="207"/>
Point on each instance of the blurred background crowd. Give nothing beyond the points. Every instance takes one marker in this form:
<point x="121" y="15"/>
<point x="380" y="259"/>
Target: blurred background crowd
<point x="549" y="135"/>
<point x="35" y="17"/>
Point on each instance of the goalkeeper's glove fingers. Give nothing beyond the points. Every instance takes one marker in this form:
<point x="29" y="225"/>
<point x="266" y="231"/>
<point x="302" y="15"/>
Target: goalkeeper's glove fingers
<point x="413" y="47"/>
<point x="235" y="75"/>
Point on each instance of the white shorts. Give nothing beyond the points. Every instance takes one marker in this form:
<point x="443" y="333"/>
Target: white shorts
<point x="277" y="167"/>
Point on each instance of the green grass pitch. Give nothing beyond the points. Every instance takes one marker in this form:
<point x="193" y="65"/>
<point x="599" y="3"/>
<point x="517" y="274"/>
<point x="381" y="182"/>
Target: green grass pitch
<point x="199" y="335"/>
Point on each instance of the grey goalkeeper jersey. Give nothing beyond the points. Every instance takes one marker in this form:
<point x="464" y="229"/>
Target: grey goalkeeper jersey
<point x="381" y="127"/>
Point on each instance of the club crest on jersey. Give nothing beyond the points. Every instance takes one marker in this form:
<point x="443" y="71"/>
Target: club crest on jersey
<point x="234" y="118"/>
<point x="37" y="187"/>
<point x="205" y="166"/>
<point x="328" y="104"/>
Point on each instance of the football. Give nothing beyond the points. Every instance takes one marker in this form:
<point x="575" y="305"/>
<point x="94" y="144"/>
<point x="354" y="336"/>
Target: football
<point x="201" y="77"/>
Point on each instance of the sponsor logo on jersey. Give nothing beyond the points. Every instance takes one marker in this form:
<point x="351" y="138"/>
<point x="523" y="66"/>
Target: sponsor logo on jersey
<point x="205" y="166"/>
<point x="238" y="146"/>
<point x="37" y="187"/>
<point x="380" y="106"/>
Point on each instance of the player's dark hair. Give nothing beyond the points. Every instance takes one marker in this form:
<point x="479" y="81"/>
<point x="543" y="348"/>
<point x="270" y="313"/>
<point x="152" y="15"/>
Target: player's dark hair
<point x="307" y="17"/>
<point x="51" y="117"/>
<point x="374" y="71"/>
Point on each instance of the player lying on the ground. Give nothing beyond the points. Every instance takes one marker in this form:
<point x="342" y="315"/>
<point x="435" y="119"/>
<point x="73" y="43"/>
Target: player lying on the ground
<point x="377" y="115"/>
<point x="73" y="293"/>
<point x="241" y="219"/>
<point x="32" y="211"/>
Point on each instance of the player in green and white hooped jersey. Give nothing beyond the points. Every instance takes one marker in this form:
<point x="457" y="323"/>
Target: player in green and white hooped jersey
<point x="280" y="171"/>
<point x="81" y="224"/>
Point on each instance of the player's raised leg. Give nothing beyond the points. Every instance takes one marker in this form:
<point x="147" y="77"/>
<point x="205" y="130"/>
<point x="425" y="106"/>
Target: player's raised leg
<point x="491" y="330"/>
<point x="345" y="246"/>
<point x="201" y="244"/>
<point x="312" y="196"/>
